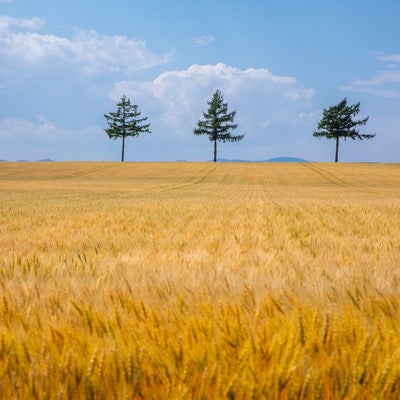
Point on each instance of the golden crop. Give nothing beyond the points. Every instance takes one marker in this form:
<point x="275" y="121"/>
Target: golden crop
<point x="199" y="281"/>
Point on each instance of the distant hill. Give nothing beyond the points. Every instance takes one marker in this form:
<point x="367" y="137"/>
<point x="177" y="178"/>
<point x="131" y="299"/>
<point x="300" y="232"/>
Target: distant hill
<point x="228" y="160"/>
<point x="44" y="159"/>
<point x="276" y="159"/>
<point x="286" y="159"/>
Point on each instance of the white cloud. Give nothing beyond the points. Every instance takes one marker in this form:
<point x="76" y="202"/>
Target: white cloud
<point x="204" y="40"/>
<point x="267" y="104"/>
<point x="186" y="84"/>
<point x="94" y="52"/>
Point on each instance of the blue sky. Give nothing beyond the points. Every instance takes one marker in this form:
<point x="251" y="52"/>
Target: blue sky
<point x="65" y="63"/>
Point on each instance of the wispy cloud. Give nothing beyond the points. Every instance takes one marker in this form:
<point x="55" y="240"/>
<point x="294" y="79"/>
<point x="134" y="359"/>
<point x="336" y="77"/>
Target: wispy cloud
<point x="385" y="83"/>
<point x="391" y="58"/>
<point x="38" y="138"/>
<point x="24" y="128"/>
<point x="95" y="53"/>
<point x="7" y="23"/>
<point x="204" y="40"/>
<point x="310" y="116"/>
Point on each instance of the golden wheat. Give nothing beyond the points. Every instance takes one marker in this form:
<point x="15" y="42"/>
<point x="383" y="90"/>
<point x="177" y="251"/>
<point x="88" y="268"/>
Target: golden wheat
<point x="199" y="281"/>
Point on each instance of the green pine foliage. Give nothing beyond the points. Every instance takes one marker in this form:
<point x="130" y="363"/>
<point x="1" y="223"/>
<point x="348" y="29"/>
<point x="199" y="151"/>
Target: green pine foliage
<point x="218" y="122"/>
<point x="337" y="122"/>
<point x="125" y="122"/>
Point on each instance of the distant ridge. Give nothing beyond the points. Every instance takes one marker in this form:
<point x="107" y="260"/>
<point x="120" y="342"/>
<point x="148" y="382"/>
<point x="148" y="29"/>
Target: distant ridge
<point x="276" y="159"/>
<point x="44" y="159"/>
<point x="228" y="160"/>
<point x="286" y="159"/>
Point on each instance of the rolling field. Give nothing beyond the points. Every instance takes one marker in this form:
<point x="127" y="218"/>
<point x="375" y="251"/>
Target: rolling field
<point x="199" y="281"/>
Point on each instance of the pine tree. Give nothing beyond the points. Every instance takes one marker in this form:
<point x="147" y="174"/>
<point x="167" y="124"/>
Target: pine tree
<point x="337" y="122"/>
<point x="125" y="122"/>
<point x="218" y="123"/>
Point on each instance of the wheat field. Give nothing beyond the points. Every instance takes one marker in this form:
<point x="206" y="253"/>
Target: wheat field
<point x="199" y="281"/>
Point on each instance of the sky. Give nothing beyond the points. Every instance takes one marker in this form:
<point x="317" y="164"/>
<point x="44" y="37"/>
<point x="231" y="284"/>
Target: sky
<point x="279" y="64"/>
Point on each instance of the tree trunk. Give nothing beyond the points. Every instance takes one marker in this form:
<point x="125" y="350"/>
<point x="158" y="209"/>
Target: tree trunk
<point x="337" y="149"/>
<point x="123" y="148"/>
<point x="215" y="150"/>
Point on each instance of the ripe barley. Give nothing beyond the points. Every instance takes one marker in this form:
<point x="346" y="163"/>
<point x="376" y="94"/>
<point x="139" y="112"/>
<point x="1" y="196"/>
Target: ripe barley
<point x="164" y="280"/>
